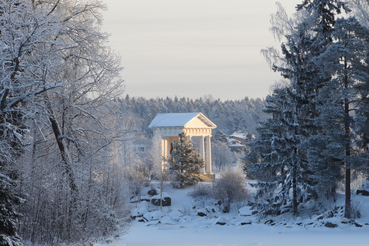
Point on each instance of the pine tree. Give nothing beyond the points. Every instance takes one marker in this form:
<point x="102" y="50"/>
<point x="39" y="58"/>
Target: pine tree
<point x="345" y="58"/>
<point x="185" y="163"/>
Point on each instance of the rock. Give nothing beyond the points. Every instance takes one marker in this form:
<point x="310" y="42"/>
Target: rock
<point x="221" y="221"/>
<point x="330" y="214"/>
<point x="269" y="222"/>
<point x="245" y="211"/>
<point x="138" y="212"/>
<point x="201" y="214"/>
<point x="153" y="216"/>
<point x="152" y="192"/>
<point x="175" y="215"/>
<point x="362" y="192"/>
<point x="166" y="220"/>
<point x="364" y="189"/>
<point x="246" y="222"/>
<point x="355" y="223"/>
<point x="320" y="217"/>
<point x="330" y="225"/>
<point x="166" y="201"/>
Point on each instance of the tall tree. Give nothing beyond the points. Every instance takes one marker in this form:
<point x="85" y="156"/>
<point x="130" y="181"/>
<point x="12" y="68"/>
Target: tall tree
<point x="279" y="165"/>
<point x="56" y="72"/>
<point x="345" y="58"/>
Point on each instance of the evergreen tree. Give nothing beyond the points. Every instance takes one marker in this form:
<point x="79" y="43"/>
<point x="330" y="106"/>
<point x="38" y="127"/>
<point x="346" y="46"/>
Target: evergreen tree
<point x="220" y="136"/>
<point x="345" y="58"/>
<point x="279" y="165"/>
<point x="185" y="163"/>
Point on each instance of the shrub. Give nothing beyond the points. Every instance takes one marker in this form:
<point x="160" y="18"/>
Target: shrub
<point x="201" y="190"/>
<point x="230" y="188"/>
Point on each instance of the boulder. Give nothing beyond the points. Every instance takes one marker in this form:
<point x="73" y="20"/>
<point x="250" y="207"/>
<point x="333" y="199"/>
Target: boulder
<point x="221" y="221"/>
<point x="364" y="189"/>
<point x="166" y="201"/>
<point x="249" y="222"/>
<point x="362" y="192"/>
<point x="330" y="225"/>
<point x="152" y="192"/>
<point x="201" y="214"/>
<point x="245" y="211"/>
<point x="153" y="216"/>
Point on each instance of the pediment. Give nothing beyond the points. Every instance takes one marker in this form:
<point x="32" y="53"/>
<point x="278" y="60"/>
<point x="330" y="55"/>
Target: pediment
<point x="184" y="120"/>
<point x="200" y="121"/>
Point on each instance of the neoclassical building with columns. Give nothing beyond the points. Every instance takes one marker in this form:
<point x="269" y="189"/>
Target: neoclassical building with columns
<point x="169" y="126"/>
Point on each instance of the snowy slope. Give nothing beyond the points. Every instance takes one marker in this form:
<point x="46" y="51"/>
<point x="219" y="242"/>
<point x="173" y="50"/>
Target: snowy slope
<point x="181" y="225"/>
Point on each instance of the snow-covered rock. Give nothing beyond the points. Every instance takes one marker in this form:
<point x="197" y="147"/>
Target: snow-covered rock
<point x="221" y="221"/>
<point x="202" y="212"/>
<point x="364" y="189"/>
<point x="175" y="215"/>
<point x="166" y="200"/>
<point x="245" y="211"/>
<point x="166" y="220"/>
<point x="153" y="216"/>
<point x="139" y="212"/>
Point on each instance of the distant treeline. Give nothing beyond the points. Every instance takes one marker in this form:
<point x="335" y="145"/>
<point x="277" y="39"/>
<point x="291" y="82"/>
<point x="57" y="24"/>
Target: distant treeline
<point x="229" y="116"/>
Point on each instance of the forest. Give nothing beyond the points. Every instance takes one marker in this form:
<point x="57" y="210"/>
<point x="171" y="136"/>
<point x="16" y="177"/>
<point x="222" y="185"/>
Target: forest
<point x="67" y="164"/>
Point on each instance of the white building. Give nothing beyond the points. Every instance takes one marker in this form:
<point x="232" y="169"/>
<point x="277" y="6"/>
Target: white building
<point x="169" y="126"/>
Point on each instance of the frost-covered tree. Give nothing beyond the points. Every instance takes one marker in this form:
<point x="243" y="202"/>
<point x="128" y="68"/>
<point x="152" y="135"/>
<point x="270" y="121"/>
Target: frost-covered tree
<point x="345" y="58"/>
<point x="276" y="160"/>
<point x="184" y="163"/>
<point x="56" y="74"/>
<point x="306" y="37"/>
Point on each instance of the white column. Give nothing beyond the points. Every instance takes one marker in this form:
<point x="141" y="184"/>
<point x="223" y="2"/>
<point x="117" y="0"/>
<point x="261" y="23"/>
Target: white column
<point x="202" y="152"/>
<point x="169" y="145"/>
<point x="163" y="149"/>
<point x="208" y="156"/>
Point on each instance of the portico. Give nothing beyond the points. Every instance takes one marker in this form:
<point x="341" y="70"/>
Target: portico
<point x="169" y="126"/>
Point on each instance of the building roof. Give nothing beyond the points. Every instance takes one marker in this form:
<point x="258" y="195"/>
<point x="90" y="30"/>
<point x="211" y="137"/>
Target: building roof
<point x="180" y="120"/>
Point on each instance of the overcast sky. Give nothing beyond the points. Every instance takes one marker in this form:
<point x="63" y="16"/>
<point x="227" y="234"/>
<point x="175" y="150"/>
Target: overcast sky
<point x="192" y="48"/>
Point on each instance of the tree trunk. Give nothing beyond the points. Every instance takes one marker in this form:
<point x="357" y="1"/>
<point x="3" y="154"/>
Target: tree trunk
<point x="294" y="192"/>
<point x="63" y="149"/>
<point x="347" y="152"/>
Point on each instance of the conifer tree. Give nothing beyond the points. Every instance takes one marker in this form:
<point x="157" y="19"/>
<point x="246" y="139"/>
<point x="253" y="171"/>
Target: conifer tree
<point x="277" y="163"/>
<point x="185" y="163"/>
<point x="345" y="57"/>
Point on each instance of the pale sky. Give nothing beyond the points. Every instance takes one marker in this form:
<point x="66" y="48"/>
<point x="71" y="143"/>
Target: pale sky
<point x="193" y="48"/>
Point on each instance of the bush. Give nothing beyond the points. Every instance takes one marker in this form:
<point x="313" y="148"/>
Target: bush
<point x="230" y="188"/>
<point x="201" y="190"/>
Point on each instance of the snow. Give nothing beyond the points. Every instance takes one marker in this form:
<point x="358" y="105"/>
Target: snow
<point x="172" y="119"/>
<point x="180" y="225"/>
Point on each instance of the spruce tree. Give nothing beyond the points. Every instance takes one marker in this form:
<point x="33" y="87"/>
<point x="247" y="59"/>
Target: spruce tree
<point x="184" y="163"/>
<point x="276" y="160"/>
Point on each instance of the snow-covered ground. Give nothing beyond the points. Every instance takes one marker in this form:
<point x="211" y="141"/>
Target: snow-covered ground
<point x="180" y="224"/>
